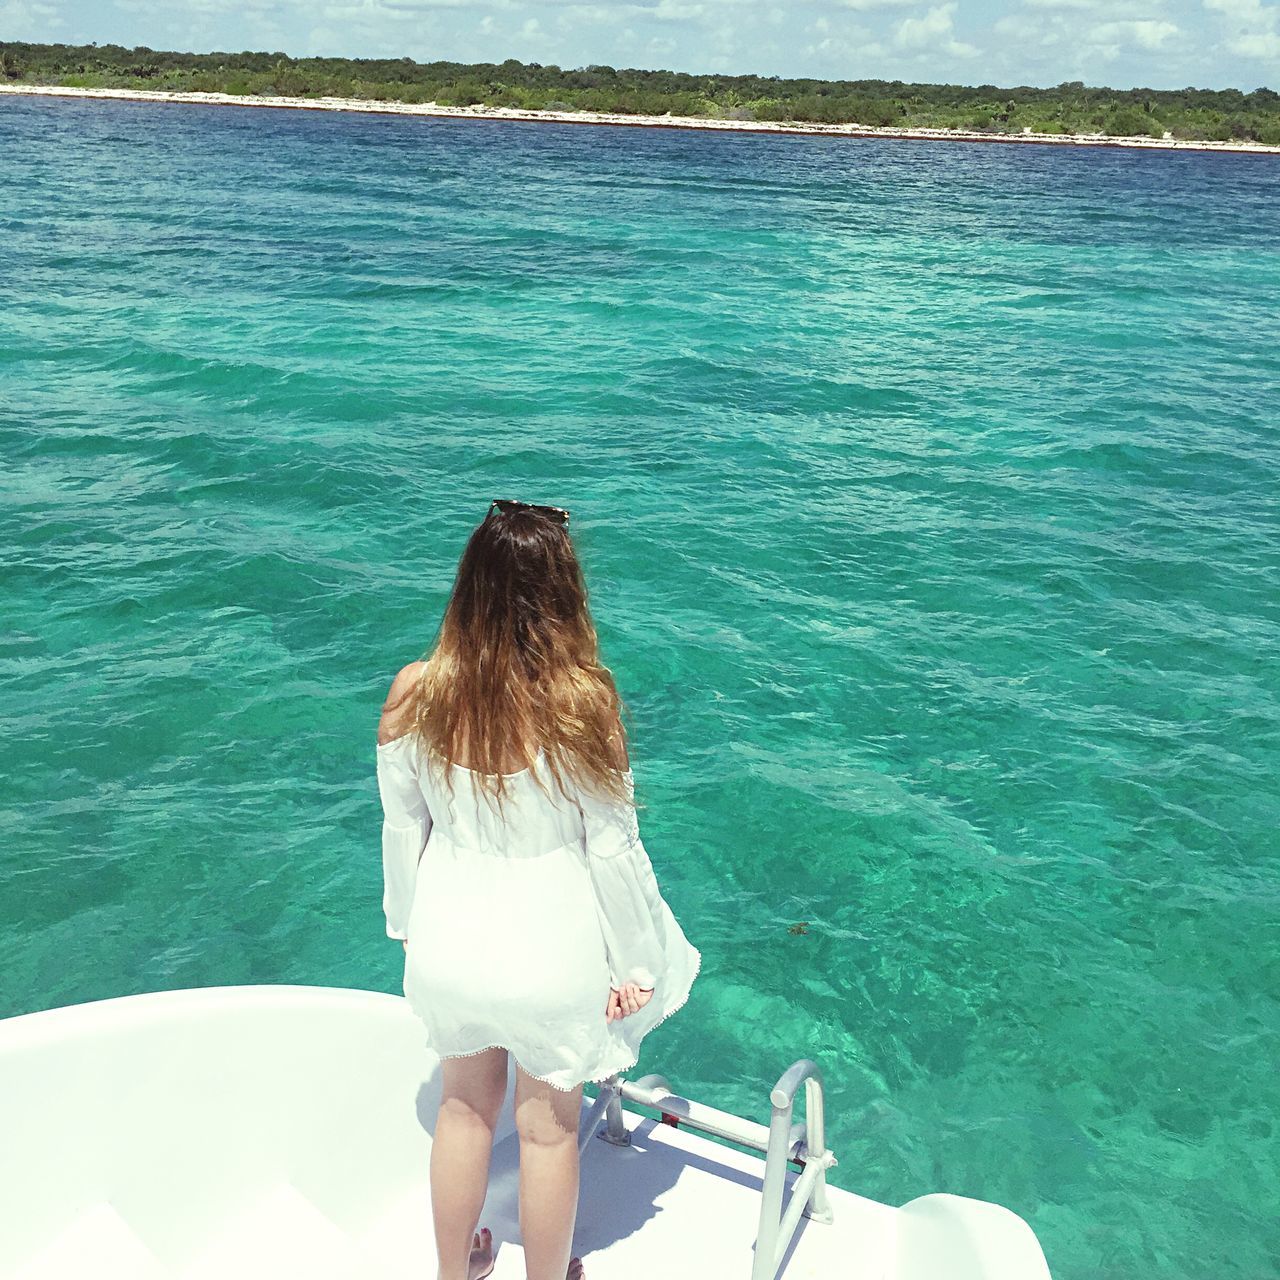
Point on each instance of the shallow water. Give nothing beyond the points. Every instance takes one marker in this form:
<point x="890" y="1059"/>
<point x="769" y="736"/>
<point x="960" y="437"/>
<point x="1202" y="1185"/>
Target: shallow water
<point x="927" y="494"/>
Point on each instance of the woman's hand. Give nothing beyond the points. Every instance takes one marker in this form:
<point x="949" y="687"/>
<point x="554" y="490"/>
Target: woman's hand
<point x="630" y="999"/>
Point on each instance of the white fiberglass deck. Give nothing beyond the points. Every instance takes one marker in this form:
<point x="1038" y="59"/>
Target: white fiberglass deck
<point x="285" y="1131"/>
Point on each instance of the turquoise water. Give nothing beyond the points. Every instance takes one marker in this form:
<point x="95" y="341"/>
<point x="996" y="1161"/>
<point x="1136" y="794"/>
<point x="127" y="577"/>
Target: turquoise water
<point x="927" y="493"/>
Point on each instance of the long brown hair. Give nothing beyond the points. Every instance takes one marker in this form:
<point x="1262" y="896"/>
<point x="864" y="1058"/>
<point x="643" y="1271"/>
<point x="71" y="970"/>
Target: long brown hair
<point x="516" y="664"/>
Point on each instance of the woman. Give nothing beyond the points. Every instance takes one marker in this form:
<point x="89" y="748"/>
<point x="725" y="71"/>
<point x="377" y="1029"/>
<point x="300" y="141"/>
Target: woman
<point x="515" y="875"/>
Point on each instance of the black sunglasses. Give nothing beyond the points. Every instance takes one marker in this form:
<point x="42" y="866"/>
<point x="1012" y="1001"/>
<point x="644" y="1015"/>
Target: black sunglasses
<point x="505" y="505"/>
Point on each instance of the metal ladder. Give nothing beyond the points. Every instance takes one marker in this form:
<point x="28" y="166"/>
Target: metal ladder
<point x="783" y="1142"/>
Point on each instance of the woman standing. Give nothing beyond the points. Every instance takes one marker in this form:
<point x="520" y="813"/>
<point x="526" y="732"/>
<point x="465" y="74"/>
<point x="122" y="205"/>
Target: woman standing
<point x="514" y="873"/>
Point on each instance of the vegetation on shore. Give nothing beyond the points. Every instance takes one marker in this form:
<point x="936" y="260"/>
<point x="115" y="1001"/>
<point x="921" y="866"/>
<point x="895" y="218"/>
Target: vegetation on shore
<point x="1072" y="107"/>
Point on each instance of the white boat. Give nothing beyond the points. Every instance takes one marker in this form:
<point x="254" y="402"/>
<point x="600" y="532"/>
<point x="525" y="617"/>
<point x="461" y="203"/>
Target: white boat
<point x="284" y="1131"/>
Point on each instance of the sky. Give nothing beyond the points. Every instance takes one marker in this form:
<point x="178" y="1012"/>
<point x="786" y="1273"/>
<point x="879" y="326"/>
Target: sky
<point x="1159" y="44"/>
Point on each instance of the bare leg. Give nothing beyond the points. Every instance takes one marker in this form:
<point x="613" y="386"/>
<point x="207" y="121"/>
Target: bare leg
<point x="547" y="1122"/>
<point x="470" y="1100"/>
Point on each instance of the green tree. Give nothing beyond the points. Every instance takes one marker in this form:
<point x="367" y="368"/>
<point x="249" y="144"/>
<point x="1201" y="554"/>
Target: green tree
<point x="1071" y="106"/>
<point x="1127" y="122"/>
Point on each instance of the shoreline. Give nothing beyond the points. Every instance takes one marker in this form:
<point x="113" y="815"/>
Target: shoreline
<point x="803" y="129"/>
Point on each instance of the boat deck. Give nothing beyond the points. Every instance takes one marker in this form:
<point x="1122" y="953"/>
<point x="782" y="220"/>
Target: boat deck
<point x="274" y="1133"/>
<point x="671" y="1204"/>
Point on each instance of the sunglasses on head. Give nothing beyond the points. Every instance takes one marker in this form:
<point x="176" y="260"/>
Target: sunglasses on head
<point x="505" y="505"/>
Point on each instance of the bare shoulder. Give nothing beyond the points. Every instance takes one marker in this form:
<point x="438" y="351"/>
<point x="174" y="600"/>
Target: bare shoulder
<point x="395" y="720"/>
<point x="404" y="683"/>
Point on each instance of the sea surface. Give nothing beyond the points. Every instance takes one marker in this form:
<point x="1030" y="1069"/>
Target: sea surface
<point x="928" y="498"/>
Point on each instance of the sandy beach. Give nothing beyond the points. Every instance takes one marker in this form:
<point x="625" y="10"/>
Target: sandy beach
<point x="370" y="107"/>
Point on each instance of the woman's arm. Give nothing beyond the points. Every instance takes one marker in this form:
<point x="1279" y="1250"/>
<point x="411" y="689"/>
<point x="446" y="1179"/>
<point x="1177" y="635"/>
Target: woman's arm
<point x="628" y="900"/>
<point x="406" y="820"/>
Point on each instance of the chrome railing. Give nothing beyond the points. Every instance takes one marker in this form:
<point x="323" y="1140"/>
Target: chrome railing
<point x="784" y="1141"/>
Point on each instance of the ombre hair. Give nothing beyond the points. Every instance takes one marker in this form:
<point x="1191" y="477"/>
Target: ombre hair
<point x="516" y="665"/>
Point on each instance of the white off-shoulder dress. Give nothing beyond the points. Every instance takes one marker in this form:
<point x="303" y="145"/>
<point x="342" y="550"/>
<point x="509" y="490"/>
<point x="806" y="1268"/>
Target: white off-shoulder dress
<point x="518" y="925"/>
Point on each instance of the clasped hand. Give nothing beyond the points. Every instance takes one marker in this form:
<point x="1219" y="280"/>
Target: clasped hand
<point x="631" y="999"/>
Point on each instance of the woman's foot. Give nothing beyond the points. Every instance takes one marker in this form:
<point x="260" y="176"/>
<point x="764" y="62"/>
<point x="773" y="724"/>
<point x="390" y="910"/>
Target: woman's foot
<point x="481" y="1263"/>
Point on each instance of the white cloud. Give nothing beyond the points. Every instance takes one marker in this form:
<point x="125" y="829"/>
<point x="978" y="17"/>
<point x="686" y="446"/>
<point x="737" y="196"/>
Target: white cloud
<point x="205" y="8"/>
<point x="1062" y="4"/>
<point x="1146" y="33"/>
<point x="914" y="33"/>
<point x="28" y="21"/>
<point x="663" y="11"/>
<point x="364" y="11"/>
<point x="1104" y="42"/>
<point x="404" y="10"/>
<point x="673" y="11"/>
<point x="1026" y="30"/>
<point x="934" y="32"/>
<point x="1243" y="10"/>
<point x="1262" y="44"/>
<point x="1253" y="27"/>
<point x="864" y="6"/>
<point x="588" y="13"/>
<point x="410" y="8"/>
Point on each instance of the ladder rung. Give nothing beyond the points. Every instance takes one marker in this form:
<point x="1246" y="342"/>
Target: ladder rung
<point x="721" y="1124"/>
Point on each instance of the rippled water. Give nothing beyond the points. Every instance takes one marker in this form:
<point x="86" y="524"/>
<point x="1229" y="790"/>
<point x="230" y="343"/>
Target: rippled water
<point x="928" y="497"/>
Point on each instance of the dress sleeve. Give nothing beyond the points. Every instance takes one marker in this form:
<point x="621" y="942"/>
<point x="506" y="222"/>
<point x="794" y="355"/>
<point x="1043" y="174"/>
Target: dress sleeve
<point x="629" y="903"/>
<point x="406" y="824"/>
